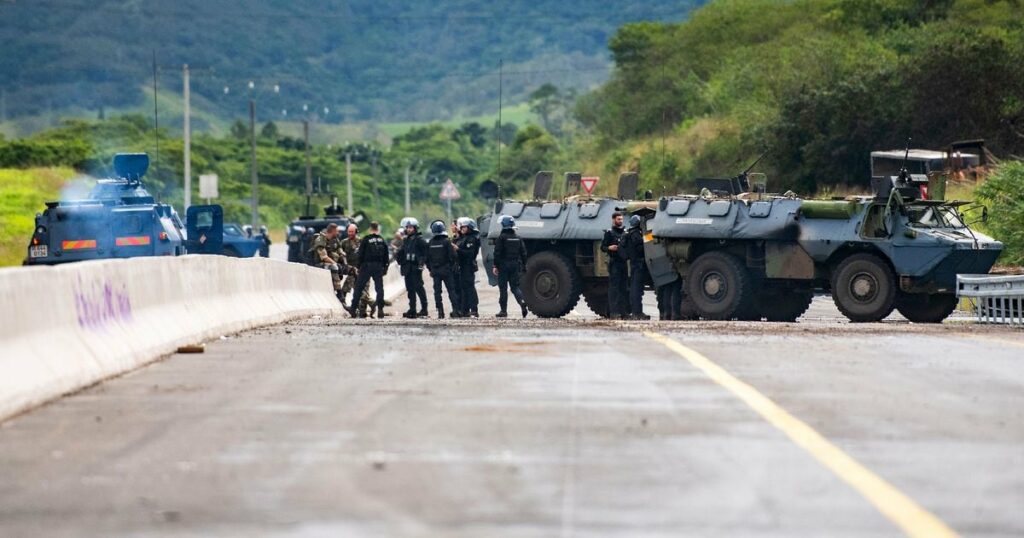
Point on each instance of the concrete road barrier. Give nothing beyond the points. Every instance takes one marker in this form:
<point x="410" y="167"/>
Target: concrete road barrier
<point x="63" y="328"/>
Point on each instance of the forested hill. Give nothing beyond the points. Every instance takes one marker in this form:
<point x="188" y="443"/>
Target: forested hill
<point x="818" y="83"/>
<point x="384" y="60"/>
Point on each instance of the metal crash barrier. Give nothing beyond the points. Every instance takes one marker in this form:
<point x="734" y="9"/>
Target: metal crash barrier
<point x="996" y="299"/>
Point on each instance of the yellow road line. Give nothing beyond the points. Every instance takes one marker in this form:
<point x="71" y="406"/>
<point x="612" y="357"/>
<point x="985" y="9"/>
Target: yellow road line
<point x="893" y="504"/>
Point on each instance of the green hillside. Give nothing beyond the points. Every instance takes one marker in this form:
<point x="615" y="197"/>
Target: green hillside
<point x="22" y="194"/>
<point x="818" y="83"/>
<point x="361" y="59"/>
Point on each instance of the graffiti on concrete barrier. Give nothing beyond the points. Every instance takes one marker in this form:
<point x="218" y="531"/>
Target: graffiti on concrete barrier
<point x="100" y="302"/>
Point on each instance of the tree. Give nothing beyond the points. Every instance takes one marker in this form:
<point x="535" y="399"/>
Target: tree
<point x="544" y="101"/>
<point x="240" y="130"/>
<point x="269" y="131"/>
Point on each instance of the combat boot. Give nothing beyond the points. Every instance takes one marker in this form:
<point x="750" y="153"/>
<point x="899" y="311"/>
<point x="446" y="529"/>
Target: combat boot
<point x="411" y="314"/>
<point x="440" y="313"/>
<point x="380" y="311"/>
<point x="501" y="314"/>
<point x="423" y="313"/>
<point x="525" y="310"/>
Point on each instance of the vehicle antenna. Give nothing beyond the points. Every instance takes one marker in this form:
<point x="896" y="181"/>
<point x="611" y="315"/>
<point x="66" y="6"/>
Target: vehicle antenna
<point x="156" y="121"/>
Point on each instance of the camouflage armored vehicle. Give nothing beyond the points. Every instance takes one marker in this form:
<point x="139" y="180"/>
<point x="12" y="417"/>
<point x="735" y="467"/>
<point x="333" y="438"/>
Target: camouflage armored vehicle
<point x="121" y="219"/>
<point x="744" y="254"/>
<point x="563" y="240"/>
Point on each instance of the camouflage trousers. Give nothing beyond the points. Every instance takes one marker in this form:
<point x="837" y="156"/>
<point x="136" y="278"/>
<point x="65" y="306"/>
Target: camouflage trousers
<point x="335" y="275"/>
<point x="350" y="282"/>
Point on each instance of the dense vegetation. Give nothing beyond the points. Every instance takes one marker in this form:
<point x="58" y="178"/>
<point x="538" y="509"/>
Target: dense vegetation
<point x="433" y="153"/>
<point x="22" y="194"/>
<point x="362" y="59"/>
<point x="1004" y="194"/>
<point x="818" y="83"/>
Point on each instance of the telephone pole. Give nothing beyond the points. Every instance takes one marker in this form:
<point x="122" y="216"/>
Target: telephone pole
<point x="309" y="165"/>
<point x="188" y="140"/>
<point x="3" y="104"/>
<point x="348" y="179"/>
<point x="408" y="206"/>
<point x="501" y="77"/>
<point x="373" y="179"/>
<point x="255" y="176"/>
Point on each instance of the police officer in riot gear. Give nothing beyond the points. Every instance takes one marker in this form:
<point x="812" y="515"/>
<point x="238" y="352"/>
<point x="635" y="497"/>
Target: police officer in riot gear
<point x="618" y="271"/>
<point x="468" y="245"/>
<point x="325" y="250"/>
<point x="632" y="249"/>
<point x="442" y="263"/>
<point x="411" y="258"/>
<point x="509" y="262"/>
<point x="373" y="264"/>
<point x="265" y="245"/>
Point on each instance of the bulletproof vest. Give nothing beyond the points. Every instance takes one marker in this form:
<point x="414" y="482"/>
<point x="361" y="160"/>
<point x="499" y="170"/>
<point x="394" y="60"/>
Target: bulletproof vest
<point x="512" y="248"/>
<point x="376" y="250"/>
<point x="412" y="250"/>
<point x="437" y="253"/>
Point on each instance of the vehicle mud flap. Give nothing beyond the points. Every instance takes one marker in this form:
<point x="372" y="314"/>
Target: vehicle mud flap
<point x="659" y="265"/>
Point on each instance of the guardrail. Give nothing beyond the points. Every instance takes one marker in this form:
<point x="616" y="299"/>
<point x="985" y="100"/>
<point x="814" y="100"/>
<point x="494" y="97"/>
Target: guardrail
<point x="996" y="299"/>
<point x="65" y="327"/>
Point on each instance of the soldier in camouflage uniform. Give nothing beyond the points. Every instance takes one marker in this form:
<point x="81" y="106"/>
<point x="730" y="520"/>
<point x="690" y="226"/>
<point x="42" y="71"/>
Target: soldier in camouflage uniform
<point x="327" y="253"/>
<point x="350" y="245"/>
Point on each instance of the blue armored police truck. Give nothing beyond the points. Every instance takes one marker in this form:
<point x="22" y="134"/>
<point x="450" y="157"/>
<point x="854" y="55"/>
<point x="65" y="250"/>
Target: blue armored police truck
<point x="121" y="219"/>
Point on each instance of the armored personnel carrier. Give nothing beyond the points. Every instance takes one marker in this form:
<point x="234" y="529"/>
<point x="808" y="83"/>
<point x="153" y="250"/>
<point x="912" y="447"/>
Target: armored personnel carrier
<point x="121" y="219"/>
<point x="563" y="240"/>
<point x="744" y="254"/>
<point x="301" y="230"/>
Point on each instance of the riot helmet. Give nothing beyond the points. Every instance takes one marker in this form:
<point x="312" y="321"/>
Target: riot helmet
<point x="508" y="222"/>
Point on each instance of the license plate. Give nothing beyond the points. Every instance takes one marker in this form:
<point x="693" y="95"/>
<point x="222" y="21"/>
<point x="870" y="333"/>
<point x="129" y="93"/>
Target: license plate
<point x="38" y="251"/>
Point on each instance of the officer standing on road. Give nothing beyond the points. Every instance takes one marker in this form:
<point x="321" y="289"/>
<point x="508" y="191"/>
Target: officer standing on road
<point x="351" y="246"/>
<point x="468" y="245"/>
<point x="373" y="263"/>
<point x="411" y="258"/>
<point x="509" y="261"/>
<point x="618" y="272"/>
<point x="442" y="263"/>
<point x="326" y="250"/>
<point x="265" y="245"/>
<point x="632" y="249"/>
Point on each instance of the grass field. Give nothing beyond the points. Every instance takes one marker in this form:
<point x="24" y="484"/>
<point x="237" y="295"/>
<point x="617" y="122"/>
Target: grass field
<point x="23" y="193"/>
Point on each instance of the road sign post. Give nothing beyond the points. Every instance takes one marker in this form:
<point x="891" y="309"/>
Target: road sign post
<point x="208" y="187"/>
<point x="449" y="192"/>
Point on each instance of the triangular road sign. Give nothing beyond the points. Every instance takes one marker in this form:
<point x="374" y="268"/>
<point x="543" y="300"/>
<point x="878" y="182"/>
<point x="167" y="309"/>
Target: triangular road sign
<point x="449" y="191"/>
<point x="588" y="183"/>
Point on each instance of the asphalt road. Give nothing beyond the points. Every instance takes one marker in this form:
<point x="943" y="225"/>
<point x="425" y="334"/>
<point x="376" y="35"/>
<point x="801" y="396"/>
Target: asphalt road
<point x="576" y="427"/>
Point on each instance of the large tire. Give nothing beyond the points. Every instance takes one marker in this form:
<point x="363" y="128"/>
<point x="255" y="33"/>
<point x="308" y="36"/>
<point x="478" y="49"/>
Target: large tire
<point x="596" y="297"/>
<point x="784" y="307"/>
<point x="719" y="286"/>
<point x="551" y="285"/>
<point x="864" y="288"/>
<point x="926" y="308"/>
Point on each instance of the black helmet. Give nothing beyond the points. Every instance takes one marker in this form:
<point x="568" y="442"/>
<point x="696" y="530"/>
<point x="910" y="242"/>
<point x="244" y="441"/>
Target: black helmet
<point x="635" y="221"/>
<point x="437" y="227"/>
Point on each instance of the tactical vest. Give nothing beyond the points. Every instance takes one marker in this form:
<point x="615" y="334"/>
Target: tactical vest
<point x="376" y="250"/>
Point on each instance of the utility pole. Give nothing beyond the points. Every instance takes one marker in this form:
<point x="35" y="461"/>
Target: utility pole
<point x="501" y="77"/>
<point x="408" y="206"/>
<point x="156" y="121"/>
<point x="255" y="176"/>
<point x="188" y="140"/>
<point x="3" y="105"/>
<point x="309" y="165"/>
<point x="348" y="179"/>
<point x="373" y="179"/>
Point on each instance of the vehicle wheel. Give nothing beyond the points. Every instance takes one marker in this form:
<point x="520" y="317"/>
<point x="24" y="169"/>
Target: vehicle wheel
<point x="785" y="307"/>
<point x="551" y="285"/>
<point x="231" y="252"/>
<point x="688" y="312"/>
<point x="926" y="308"/>
<point x="864" y="288"/>
<point x="719" y="286"/>
<point x="596" y="297"/>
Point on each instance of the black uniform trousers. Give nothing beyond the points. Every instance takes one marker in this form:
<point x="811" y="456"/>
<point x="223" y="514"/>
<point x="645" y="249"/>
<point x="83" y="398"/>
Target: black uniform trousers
<point x="670" y="300"/>
<point x="618" y="289"/>
<point x="508" y="277"/>
<point x="367" y="271"/>
<point x="447" y="279"/>
<point x="469" y="301"/>
<point x="414" y="287"/>
<point x="637" y="278"/>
